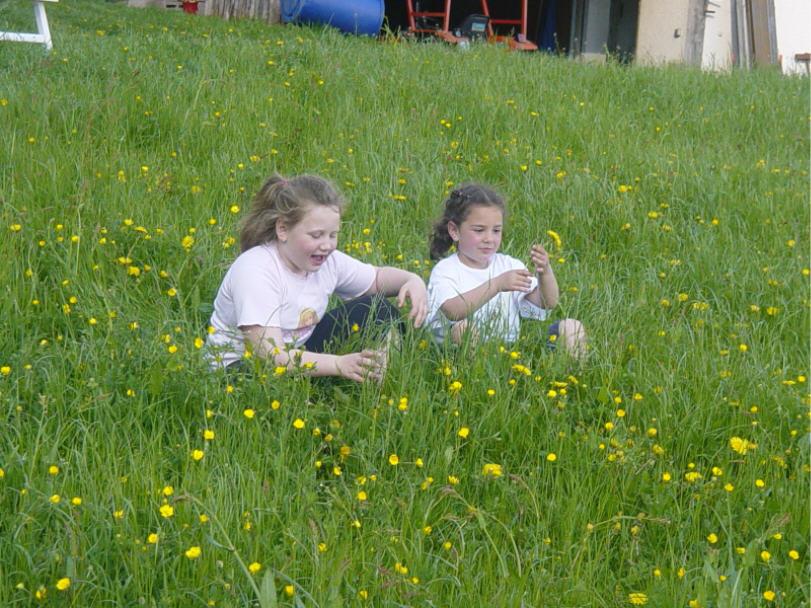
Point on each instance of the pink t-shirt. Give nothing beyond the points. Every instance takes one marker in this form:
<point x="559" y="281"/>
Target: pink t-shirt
<point x="259" y="289"/>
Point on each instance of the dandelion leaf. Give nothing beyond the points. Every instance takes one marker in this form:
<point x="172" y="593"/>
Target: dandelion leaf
<point x="155" y="380"/>
<point x="267" y="591"/>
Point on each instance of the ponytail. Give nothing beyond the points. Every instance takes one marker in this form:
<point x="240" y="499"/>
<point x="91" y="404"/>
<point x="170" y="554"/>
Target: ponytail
<point x="441" y="240"/>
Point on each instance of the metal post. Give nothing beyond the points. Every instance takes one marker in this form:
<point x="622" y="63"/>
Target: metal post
<point x="42" y="25"/>
<point x="43" y="35"/>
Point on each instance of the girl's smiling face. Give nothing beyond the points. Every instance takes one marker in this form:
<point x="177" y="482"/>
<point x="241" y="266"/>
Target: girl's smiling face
<point x="478" y="237"/>
<point x="305" y="246"/>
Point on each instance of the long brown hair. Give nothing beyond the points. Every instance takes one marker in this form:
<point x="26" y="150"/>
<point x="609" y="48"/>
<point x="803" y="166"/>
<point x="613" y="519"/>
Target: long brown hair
<point x="286" y="199"/>
<point x="456" y="209"/>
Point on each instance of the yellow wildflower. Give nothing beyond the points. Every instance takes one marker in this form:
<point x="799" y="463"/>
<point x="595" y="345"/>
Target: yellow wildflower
<point x="741" y="446"/>
<point x="492" y="470"/>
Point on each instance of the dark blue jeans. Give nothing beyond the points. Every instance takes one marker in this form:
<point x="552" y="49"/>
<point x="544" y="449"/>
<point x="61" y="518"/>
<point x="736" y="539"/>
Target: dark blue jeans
<point x="369" y="314"/>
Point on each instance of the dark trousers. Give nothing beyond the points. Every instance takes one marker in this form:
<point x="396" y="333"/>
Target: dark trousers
<point x="368" y="315"/>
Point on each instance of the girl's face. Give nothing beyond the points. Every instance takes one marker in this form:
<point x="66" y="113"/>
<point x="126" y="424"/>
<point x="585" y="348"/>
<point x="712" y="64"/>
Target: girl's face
<point x="305" y="246"/>
<point x="479" y="236"/>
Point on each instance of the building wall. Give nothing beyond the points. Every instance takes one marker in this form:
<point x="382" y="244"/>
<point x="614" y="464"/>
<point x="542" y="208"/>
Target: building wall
<point x="717" y="51"/>
<point x="793" y="25"/>
<point x="662" y="31"/>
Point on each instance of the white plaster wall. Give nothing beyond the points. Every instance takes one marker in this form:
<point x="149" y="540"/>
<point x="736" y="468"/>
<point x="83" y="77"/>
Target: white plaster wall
<point x="717" y="50"/>
<point x="662" y="31"/>
<point x="793" y="25"/>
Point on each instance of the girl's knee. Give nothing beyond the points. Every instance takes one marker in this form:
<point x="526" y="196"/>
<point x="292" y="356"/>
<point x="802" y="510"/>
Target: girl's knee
<point x="573" y="336"/>
<point x="571" y="328"/>
<point x="458" y="331"/>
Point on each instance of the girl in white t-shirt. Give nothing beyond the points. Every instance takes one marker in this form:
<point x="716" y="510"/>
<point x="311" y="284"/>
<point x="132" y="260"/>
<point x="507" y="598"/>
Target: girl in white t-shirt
<point x="479" y="290"/>
<point x="273" y="299"/>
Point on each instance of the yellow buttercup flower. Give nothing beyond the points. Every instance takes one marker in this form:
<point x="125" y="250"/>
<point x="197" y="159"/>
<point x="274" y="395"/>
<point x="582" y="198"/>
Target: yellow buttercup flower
<point x="492" y="470"/>
<point x="741" y="446"/>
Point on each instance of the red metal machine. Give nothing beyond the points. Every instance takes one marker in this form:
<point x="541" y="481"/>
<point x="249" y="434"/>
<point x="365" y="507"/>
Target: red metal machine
<point x="417" y="25"/>
<point x="518" y="42"/>
<point x="442" y="31"/>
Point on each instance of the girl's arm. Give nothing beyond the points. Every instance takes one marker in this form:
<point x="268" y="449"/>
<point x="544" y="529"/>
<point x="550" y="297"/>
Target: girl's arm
<point x="355" y="366"/>
<point x="459" y="307"/>
<point x="547" y="293"/>
<point x="407" y="286"/>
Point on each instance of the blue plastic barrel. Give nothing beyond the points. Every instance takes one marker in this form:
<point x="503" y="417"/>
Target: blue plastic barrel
<point x="362" y="17"/>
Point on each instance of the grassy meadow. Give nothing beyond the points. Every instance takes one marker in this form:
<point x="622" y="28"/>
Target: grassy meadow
<point x="670" y="469"/>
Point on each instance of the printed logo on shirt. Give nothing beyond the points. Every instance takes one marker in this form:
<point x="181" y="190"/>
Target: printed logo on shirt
<point x="307" y="319"/>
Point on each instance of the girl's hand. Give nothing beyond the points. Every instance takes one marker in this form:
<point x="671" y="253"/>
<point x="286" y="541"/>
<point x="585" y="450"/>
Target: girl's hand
<point x="514" y="280"/>
<point x="540" y="258"/>
<point x="362" y="366"/>
<point x="414" y="290"/>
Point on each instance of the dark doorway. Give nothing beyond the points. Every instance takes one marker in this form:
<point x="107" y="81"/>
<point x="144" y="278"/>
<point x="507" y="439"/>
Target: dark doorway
<point x="554" y="29"/>
<point x="622" y="29"/>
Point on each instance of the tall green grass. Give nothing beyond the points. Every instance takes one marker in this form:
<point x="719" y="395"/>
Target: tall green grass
<point x="682" y="202"/>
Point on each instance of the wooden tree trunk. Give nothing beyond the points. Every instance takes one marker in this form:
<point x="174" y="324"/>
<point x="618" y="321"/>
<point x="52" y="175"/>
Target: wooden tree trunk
<point x="266" y="10"/>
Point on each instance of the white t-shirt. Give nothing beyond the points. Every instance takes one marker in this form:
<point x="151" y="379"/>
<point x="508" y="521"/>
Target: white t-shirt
<point x="258" y="289"/>
<point x="499" y="317"/>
